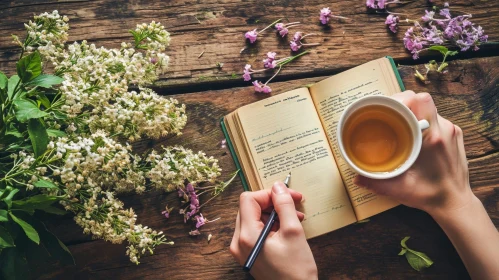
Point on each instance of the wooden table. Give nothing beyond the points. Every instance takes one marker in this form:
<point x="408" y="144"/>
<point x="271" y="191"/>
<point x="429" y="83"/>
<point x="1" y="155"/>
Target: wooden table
<point x="468" y="95"/>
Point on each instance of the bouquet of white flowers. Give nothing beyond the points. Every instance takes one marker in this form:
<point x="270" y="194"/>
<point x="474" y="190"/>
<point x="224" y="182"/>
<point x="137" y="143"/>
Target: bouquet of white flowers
<point x="64" y="140"/>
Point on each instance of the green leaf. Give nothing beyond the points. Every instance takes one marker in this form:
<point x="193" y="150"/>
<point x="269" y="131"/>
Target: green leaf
<point x="12" y="85"/>
<point x="12" y="130"/>
<point x="29" y="67"/>
<point x="3" y="215"/>
<point x="28" y="229"/>
<point x="54" y="210"/>
<point x="14" y="265"/>
<point x="451" y="53"/>
<point x="36" y="202"/>
<point x="416" y="260"/>
<point x="55" y="133"/>
<point x="26" y="110"/>
<point x="45" y="81"/>
<point x="9" y="194"/>
<point x="5" y="238"/>
<point x="402" y="243"/>
<point x="45" y="184"/>
<point x="59" y="115"/>
<point x="43" y="100"/>
<point x="40" y="202"/>
<point x="54" y="246"/>
<point x="443" y="50"/>
<point x="3" y="81"/>
<point x="38" y="135"/>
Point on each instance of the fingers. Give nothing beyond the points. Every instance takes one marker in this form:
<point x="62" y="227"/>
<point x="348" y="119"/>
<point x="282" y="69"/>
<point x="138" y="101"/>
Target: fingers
<point x="285" y="208"/>
<point x="251" y="205"/>
<point x="265" y="216"/>
<point x="421" y="105"/>
<point x="403" y="96"/>
<point x="382" y="187"/>
<point x="234" y="244"/>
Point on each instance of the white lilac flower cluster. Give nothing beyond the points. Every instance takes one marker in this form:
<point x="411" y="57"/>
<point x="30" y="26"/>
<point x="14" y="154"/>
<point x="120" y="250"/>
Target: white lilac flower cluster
<point x="47" y="30"/>
<point x="170" y="169"/>
<point x="93" y="162"/>
<point x="96" y="80"/>
<point x="141" y="113"/>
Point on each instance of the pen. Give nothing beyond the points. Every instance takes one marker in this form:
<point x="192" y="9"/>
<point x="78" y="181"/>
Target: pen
<point x="263" y="235"/>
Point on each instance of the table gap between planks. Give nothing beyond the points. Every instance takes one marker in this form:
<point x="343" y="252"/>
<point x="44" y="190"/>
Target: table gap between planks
<point x="467" y="95"/>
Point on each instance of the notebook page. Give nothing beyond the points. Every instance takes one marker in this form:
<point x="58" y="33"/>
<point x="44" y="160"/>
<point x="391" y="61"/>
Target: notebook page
<point x="331" y="96"/>
<point x="284" y="134"/>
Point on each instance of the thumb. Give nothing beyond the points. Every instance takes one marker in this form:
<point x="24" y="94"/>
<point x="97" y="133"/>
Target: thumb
<point x="285" y="208"/>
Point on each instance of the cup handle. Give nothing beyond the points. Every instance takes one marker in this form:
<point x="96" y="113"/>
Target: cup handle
<point x="423" y="124"/>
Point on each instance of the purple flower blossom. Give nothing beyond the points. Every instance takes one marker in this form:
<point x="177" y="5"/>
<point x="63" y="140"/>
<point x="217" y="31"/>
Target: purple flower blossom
<point x="297" y="37"/>
<point x="458" y="31"/>
<point x="412" y="43"/>
<point x="223" y="144"/>
<point x="200" y="220"/>
<point x="294" y="46"/>
<point x="167" y="212"/>
<point x="381" y="4"/>
<point x="429" y="16"/>
<point x="251" y="35"/>
<point x="445" y="12"/>
<point x="464" y="34"/>
<point x="392" y="22"/>
<point x="270" y="61"/>
<point x="433" y="35"/>
<point x="180" y="192"/>
<point x="189" y="188"/>
<point x="281" y="28"/>
<point x="378" y="4"/>
<point x="247" y="73"/>
<point x="259" y="87"/>
<point x="325" y="15"/>
<point x="194" y="202"/>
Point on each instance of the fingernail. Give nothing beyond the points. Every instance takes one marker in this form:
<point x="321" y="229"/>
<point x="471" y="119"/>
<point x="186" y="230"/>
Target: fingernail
<point x="279" y="188"/>
<point x="302" y="199"/>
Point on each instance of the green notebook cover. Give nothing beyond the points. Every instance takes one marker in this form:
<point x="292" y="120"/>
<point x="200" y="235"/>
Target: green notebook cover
<point x="397" y="74"/>
<point x="233" y="152"/>
<point x="234" y="155"/>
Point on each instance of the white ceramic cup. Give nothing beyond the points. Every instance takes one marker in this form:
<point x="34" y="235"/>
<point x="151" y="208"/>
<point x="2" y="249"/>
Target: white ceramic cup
<point x="415" y="125"/>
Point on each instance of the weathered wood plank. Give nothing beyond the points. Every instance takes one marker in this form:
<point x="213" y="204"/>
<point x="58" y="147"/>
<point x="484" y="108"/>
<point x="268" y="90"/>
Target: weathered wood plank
<point x="216" y="27"/>
<point x="467" y="95"/>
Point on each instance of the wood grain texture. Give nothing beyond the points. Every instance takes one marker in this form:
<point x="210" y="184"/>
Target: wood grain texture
<point x="467" y="95"/>
<point x="216" y="27"/>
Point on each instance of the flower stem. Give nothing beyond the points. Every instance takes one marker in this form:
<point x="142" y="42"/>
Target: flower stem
<point x="277" y="72"/>
<point x="288" y="60"/>
<point x="306" y="35"/>
<point x="340" y="17"/>
<point x="311" y="44"/>
<point x="269" y="25"/>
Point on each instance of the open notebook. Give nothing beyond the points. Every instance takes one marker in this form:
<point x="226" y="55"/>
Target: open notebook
<point x="296" y="131"/>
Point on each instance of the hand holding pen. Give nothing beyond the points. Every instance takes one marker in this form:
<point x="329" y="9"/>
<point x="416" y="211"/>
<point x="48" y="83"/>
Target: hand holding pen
<point x="286" y="243"/>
